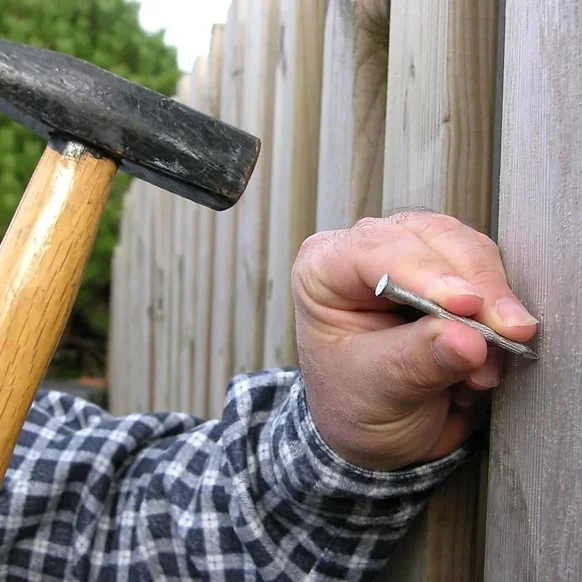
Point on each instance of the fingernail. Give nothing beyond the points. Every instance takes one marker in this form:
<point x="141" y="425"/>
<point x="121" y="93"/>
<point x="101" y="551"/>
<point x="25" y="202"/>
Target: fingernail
<point x="461" y="286"/>
<point x="486" y="377"/>
<point x="513" y="314"/>
<point x="445" y="355"/>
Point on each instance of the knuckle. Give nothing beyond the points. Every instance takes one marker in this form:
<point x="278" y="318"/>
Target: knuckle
<point x="310" y="255"/>
<point x="366" y="225"/>
<point x="484" y="263"/>
<point x="311" y="242"/>
<point x="486" y="277"/>
<point x="487" y="242"/>
<point x="303" y="257"/>
<point x="432" y="226"/>
<point x="311" y="246"/>
<point x="447" y="222"/>
<point x="367" y="221"/>
<point x="366" y="232"/>
<point x="410" y="371"/>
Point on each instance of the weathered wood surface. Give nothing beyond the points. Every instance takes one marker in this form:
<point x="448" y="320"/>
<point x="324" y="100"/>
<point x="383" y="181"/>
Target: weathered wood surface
<point x="440" y="107"/>
<point x="351" y="154"/>
<point x="260" y="59"/>
<point x="295" y="164"/>
<point x="141" y="298"/>
<point x="114" y="338"/>
<point x="205" y="248"/>
<point x="162" y="280"/>
<point x="129" y="243"/>
<point x="175" y="319"/>
<point x="439" y="138"/>
<point x="185" y="220"/>
<point x="122" y="402"/>
<point x="224" y="289"/>
<point x="534" y="525"/>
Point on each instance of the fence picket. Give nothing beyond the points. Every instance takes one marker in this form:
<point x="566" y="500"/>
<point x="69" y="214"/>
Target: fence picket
<point x="207" y="102"/>
<point x="224" y="290"/>
<point x="295" y="164"/>
<point x="351" y="154"/>
<point x="439" y="138"/>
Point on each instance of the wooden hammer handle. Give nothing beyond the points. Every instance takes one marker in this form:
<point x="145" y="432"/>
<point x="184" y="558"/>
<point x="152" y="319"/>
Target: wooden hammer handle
<point x="42" y="260"/>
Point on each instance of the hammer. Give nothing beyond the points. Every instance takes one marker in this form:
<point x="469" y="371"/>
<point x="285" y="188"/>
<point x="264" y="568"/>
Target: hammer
<point x="95" y="123"/>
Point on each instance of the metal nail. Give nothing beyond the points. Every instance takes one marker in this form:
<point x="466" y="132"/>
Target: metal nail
<point x="387" y="288"/>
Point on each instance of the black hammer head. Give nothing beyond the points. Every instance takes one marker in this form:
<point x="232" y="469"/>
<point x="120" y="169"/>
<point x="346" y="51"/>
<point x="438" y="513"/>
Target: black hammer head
<point x="154" y="138"/>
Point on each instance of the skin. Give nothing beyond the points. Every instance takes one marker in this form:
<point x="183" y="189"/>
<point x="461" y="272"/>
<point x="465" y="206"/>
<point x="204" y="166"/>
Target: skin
<point x="386" y="392"/>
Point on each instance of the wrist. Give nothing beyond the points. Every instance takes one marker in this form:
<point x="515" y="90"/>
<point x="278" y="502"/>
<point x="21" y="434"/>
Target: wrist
<point x="376" y="446"/>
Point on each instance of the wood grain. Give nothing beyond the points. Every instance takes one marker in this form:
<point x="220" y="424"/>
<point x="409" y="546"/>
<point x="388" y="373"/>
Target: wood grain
<point x="138" y="306"/>
<point x="534" y="525"/>
<point x="295" y="164"/>
<point x="162" y="227"/>
<point x="351" y="154"/>
<point x="119" y="403"/>
<point x="42" y="260"/>
<point x="208" y="99"/>
<point x="261" y="47"/>
<point x="180" y="316"/>
<point x="439" y="141"/>
<point x="440" y="107"/>
<point x="131" y="301"/>
<point x="175" y="266"/>
<point x="147" y="242"/>
<point x="114" y="336"/>
<point x="183" y="262"/>
<point x="223" y="296"/>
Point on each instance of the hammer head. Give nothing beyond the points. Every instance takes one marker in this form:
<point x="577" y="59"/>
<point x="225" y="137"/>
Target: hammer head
<point x="153" y="137"/>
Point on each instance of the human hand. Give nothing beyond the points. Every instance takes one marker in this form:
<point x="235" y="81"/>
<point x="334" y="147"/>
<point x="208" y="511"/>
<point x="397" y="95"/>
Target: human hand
<point x="383" y="391"/>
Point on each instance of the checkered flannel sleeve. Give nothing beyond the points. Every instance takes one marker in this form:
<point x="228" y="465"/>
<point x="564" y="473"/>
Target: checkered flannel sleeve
<point x="255" y="495"/>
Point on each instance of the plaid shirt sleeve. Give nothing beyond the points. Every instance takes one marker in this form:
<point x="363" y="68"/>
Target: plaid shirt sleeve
<point x="255" y="495"/>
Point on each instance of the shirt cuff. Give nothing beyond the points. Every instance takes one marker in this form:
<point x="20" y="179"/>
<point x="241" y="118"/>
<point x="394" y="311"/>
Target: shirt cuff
<point x="313" y="467"/>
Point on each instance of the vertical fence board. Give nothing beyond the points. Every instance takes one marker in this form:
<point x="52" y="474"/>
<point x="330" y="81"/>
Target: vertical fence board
<point x="223" y="296"/>
<point x="353" y="112"/>
<point x="261" y="35"/>
<point x="149" y="234"/>
<point x="441" y="106"/>
<point x="132" y="399"/>
<point x="439" y="138"/>
<point x="534" y="525"/>
<point x="124" y="344"/>
<point x="162" y="281"/>
<point x="172" y="232"/>
<point x="142" y="298"/>
<point x="178" y="342"/>
<point x="208" y="86"/>
<point x="295" y="164"/>
<point x="114" y="333"/>
<point x="194" y="96"/>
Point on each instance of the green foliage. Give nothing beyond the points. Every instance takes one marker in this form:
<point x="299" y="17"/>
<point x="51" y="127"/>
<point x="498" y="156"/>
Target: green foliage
<point x="106" y="33"/>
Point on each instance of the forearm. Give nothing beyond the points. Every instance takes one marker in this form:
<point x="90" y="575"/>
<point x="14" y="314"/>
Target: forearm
<point x="348" y="519"/>
<point x="167" y="496"/>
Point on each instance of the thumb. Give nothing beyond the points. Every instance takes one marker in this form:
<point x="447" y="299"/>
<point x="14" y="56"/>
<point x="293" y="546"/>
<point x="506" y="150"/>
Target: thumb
<point x="412" y="362"/>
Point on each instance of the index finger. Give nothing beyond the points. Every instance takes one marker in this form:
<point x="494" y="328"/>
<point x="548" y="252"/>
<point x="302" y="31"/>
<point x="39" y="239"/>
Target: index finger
<point x="340" y="269"/>
<point x="478" y="260"/>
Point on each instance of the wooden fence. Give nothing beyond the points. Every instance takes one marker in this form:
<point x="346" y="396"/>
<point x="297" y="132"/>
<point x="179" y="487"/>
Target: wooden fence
<point x="364" y="106"/>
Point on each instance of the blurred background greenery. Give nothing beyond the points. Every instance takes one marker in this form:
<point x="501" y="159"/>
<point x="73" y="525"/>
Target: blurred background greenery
<point x="106" y="33"/>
